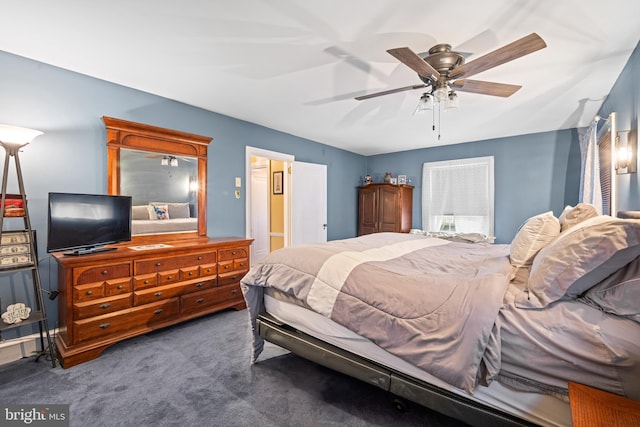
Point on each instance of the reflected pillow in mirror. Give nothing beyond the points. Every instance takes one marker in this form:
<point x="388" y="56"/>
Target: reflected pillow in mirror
<point x="160" y="211"/>
<point x="176" y="210"/>
<point x="139" y="212"/>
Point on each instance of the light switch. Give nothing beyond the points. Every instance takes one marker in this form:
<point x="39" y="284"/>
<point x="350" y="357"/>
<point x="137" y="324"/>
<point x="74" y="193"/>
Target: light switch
<point x="238" y="181"/>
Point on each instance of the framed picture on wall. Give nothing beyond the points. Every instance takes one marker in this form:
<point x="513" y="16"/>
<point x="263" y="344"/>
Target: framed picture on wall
<point x="277" y="182"/>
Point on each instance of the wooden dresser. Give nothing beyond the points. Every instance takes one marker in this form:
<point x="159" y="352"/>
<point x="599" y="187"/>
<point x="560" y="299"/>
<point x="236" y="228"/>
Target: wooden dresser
<point x="111" y="296"/>
<point x="384" y="207"/>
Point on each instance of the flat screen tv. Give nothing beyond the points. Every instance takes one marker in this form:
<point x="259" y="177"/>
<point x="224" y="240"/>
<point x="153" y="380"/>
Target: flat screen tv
<point x="85" y="223"/>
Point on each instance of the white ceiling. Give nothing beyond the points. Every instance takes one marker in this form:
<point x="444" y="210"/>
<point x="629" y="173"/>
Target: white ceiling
<point x="295" y="66"/>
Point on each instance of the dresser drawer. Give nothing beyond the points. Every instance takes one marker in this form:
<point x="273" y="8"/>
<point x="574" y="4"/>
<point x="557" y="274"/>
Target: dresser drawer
<point x="88" y="292"/>
<point x="227" y="254"/>
<point x="166" y="277"/>
<point x="122" y="321"/>
<point x="208" y="270"/>
<point x="83" y="310"/>
<point x="198" y="301"/>
<point x="187" y="273"/>
<point x="144" y="281"/>
<point x="158" y="293"/>
<point x="229" y="278"/>
<point x="118" y="287"/>
<point x="173" y="263"/>
<point x="83" y="275"/>
<point x="241" y="264"/>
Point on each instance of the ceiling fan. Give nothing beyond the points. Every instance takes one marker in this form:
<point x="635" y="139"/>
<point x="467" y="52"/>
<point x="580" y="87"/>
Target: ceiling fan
<point x="443" y="71"/>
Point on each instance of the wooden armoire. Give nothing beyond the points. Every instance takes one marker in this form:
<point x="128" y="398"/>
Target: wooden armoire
<point x="384" y="207"/>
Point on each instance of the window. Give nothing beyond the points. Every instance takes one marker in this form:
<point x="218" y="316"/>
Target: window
<point x="457" y="196"/>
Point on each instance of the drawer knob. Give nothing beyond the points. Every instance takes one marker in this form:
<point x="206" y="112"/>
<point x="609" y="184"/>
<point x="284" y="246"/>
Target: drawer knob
<point x="169" y="277"/>
<point x="158" y="294"/>
<point x="105" y="325"/>
<point x="158" y="264"/>
<point x="103" y="306"/>
<point x="105" y="272"/>
<point x="191" y="273"/>
<point x="226" y="267"/>
<point x="120" y="286"/>
<point x="234" y="291"/>
<point x="200" y="300"/>
<point x="158" y="311"/>
<point x="199" y="257"/>
<point x="199" y="285"/>
<point x="234" y="277"/>
<point x="89" y="292"/>
<point x="146" y="282"/>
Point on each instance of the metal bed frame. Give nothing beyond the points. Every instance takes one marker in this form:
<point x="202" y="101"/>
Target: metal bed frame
<point x="401" y="385"/>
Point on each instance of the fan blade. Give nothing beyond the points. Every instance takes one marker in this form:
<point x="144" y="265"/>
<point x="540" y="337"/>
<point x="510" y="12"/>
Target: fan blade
<point x="388" y="92"/>
<point x="515" y="50"/>
<point x="485" y="88"/>
<point x="413" y="61"/>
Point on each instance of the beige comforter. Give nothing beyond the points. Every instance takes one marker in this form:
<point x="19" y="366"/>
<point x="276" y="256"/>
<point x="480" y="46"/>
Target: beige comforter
<point x="429" y="301"/>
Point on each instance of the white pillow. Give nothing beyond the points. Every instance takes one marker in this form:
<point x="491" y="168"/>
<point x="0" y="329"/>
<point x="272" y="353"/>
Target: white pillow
<point x="575" y="215"/>
<point x="579" y="259"/>
<point x="534" y="235"/>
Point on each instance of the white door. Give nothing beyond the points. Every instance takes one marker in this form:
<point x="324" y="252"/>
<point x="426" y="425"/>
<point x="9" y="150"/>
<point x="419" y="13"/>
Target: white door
<point x="260" y="208"/>
<point x="308" y="203"/>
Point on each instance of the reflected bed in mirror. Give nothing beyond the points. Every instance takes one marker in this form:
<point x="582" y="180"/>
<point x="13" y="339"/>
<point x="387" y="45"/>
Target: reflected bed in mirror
<point x="164" y="190"/>
<point x="165" y="173"/>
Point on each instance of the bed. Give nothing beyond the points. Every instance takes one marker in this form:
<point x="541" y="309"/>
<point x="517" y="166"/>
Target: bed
<point x="490" y="334"/>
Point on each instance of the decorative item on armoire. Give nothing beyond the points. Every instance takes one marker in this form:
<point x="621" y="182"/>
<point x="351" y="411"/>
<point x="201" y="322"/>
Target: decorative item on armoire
<point x="387" y="177"/>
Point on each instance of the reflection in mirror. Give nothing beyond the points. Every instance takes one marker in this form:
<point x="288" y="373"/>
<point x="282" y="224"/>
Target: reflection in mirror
<point x="162" y="186"/>
<point x="136" y="166"/>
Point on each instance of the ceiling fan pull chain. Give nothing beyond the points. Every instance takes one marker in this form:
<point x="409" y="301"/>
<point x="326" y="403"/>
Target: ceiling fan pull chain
<point x="433" y="121"/>
<point x="439" y="119"/>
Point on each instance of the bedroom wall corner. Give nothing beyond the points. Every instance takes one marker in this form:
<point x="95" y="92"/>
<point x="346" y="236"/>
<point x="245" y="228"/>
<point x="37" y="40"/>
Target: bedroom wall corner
<point x="624" y="99"/>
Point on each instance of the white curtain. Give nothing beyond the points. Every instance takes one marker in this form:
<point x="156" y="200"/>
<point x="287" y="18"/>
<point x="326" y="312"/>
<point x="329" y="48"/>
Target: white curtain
<point x="590" y="189"/>
<point x="457" y="196"/>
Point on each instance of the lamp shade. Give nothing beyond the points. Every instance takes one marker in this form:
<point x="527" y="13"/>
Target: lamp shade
<point x="17" y="135"/>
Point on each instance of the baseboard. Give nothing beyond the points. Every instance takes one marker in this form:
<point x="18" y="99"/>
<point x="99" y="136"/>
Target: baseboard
<point x="17" y="348"/>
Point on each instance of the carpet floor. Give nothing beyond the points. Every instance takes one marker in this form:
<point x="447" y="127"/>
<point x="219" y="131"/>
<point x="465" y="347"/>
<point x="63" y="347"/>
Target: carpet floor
<point x="198" y="374"/>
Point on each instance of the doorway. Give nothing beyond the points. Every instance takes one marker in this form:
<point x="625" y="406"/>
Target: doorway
<point x="273" y="213"/>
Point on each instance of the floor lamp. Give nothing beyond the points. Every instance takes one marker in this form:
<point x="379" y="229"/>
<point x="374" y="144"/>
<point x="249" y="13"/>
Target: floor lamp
<point x="12" y="139"/>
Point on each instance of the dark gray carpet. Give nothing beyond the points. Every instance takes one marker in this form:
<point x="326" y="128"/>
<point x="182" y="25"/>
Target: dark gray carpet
<point x="198" y="374"/>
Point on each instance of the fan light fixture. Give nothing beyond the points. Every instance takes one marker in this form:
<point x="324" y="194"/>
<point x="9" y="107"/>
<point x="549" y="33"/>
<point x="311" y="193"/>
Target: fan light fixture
<point x="169" y="161"/>
<point x="440" y="98"/>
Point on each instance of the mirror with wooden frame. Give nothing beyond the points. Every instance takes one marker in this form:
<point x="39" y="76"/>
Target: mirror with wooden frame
<point x="165" y="172"/>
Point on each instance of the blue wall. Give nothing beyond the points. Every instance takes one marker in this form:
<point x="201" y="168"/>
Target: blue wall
<point x="533" y="174"/>
<point x="71" y="156"/>
<point x="624" y="99"/>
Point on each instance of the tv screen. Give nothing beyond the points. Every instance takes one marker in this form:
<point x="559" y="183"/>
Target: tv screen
<point x="85" y="223"/>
